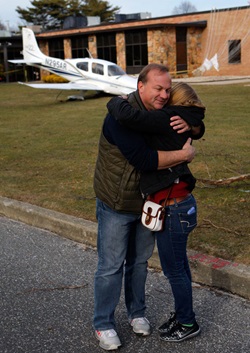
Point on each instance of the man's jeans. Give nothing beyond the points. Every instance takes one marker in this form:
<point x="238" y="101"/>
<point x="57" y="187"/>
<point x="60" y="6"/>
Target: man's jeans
<point x="124" y="245"/>
<point x="180" y="220"/>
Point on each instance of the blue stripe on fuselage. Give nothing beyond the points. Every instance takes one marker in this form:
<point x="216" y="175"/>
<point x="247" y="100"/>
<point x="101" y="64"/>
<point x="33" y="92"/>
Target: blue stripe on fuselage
<point x="58" y="72"/>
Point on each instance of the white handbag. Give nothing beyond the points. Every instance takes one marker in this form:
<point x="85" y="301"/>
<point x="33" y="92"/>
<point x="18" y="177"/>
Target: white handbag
<point x="153" y="216"/>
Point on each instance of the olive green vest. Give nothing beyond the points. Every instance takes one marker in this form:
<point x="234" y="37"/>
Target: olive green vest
<point x="116" y="182"/>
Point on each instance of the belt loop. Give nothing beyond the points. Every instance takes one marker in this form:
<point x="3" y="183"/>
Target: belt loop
<point x="175" y="202"/>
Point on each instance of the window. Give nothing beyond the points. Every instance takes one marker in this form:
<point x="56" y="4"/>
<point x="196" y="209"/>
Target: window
<point x="106" y="47"/>
<point x="56" y="48"/>
<point x="181" y="50"/>
<point x="83" y="66"/>
<point x="10" y="49"/>
<point x="136" y="50"/>
<point x="79" y="47"/>
<point x="97" y="69"/>
<point x="234" y="51"/>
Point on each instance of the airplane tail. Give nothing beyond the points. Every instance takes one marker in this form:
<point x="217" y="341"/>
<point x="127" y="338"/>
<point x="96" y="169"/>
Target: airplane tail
<point x="31" y="50"/>
<point x="34" y="57"/>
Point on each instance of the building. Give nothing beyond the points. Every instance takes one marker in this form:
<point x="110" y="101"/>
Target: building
<point x="210" y="43"/>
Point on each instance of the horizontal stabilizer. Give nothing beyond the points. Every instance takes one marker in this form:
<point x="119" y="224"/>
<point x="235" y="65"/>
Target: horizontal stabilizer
<point x="18" y="61"/>
<point x="22" y="61"/>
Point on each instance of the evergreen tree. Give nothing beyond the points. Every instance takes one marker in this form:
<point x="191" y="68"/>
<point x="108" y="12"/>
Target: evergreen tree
<point x="99" y="8"/>
<point x="50" y="14"/>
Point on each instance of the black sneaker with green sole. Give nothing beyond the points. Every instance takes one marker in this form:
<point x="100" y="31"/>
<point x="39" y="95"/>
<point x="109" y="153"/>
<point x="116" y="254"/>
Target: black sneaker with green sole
<point x="179" y="333"/>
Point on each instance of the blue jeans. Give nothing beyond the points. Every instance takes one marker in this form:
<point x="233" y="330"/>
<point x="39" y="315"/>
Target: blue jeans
<point x="172" y="249"/>
<point x="124" y="246"/>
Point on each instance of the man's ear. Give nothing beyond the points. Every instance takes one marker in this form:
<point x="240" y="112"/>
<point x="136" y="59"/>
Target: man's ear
<point x="140" y="86"/>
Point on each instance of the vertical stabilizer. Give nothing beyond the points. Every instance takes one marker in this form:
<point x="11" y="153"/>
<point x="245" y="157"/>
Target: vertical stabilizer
<point x="31" y="51"/>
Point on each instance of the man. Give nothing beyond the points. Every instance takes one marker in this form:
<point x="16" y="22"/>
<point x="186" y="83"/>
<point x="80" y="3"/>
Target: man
<point x="124" y="245"/>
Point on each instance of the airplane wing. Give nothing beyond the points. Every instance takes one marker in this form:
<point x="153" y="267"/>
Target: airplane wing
<point x="64" y="86"/>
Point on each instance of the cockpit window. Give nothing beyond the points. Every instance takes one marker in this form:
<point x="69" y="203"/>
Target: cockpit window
<point x="83" y="66"/>
<point x="97" y="69"/>
<point x="114" y="70"/>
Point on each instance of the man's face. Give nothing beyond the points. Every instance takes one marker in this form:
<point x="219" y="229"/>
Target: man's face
<point x="156" y="91"/>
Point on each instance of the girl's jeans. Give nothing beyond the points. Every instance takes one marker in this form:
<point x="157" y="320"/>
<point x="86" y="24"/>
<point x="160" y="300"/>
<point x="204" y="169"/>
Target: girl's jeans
<point x="180" y="220"/>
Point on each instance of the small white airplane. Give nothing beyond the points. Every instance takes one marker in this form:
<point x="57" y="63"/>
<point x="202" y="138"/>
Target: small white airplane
<point x="83" y="74"/>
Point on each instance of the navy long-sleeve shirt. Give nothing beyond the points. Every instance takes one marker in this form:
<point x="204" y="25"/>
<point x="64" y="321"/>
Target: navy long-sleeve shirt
<point x="131" y="144"/>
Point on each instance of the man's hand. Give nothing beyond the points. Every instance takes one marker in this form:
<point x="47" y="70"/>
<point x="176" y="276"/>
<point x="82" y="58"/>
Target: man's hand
<point x="168" y="159"/>
<point x="179" y="124"/>
<point x="189" y="149"/>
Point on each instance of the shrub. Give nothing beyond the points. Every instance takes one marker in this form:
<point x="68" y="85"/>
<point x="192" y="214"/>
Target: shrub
<point x="52" y="78"/>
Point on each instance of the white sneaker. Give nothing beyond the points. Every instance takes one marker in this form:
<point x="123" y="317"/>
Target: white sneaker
<point x="109" y="339"/>
<point x="141" y="326"/>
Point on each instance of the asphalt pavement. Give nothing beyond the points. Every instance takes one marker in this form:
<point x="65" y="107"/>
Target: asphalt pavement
<point x="47" y="301"/>
<point x="209" y="270"/>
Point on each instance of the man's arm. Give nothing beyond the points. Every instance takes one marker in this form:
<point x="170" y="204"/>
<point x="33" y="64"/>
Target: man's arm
<point x="133" y="147"/>
<point x="171" y="158"/>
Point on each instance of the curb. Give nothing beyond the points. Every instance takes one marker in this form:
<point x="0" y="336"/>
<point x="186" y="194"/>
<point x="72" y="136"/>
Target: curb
<point x="207" y="270"/>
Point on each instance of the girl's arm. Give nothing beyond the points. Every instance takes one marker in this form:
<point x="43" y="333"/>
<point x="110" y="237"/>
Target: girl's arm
<point x="196" y="132"/>
<point x="154" y="121"/>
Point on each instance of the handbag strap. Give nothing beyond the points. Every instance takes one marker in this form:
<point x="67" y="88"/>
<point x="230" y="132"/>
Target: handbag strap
<point x="166" y="199"/>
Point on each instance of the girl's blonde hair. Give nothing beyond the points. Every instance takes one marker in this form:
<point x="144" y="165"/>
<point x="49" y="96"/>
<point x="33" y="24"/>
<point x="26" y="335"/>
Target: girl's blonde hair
<point x="183" y="94"/>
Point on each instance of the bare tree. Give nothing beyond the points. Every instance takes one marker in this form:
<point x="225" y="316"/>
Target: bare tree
<point x="184" y="7"/>
<point x="2" y="26"/>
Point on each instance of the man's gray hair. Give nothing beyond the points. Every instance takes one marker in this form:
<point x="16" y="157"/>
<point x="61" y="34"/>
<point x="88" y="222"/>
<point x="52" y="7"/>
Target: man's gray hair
<point x="143" y="76"/>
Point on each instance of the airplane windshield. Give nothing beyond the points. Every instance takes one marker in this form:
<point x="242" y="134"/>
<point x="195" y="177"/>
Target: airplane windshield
<point x="114" y="70"/>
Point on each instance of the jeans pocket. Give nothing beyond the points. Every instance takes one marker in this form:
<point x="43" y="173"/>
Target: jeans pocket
<point x="188" y="222"/>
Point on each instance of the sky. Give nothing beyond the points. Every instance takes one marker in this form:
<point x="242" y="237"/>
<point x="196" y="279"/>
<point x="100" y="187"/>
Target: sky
<point x="157" y="8"/>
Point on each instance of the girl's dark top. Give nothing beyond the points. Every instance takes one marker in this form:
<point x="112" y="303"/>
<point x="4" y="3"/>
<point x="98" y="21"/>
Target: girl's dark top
<point x="159" y="135"/>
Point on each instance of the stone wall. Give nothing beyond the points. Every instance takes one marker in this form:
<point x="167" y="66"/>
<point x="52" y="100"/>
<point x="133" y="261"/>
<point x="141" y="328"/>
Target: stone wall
<point x="121" y="50"/>
<point x="67" y="48"/>
<point x="92" y="45"/>
<point x="194" y="49"/>
<point x="44" y="47"/>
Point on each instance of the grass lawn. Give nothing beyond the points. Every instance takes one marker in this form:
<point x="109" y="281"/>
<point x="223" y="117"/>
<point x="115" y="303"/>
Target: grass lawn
<point x="49" y="146"/>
